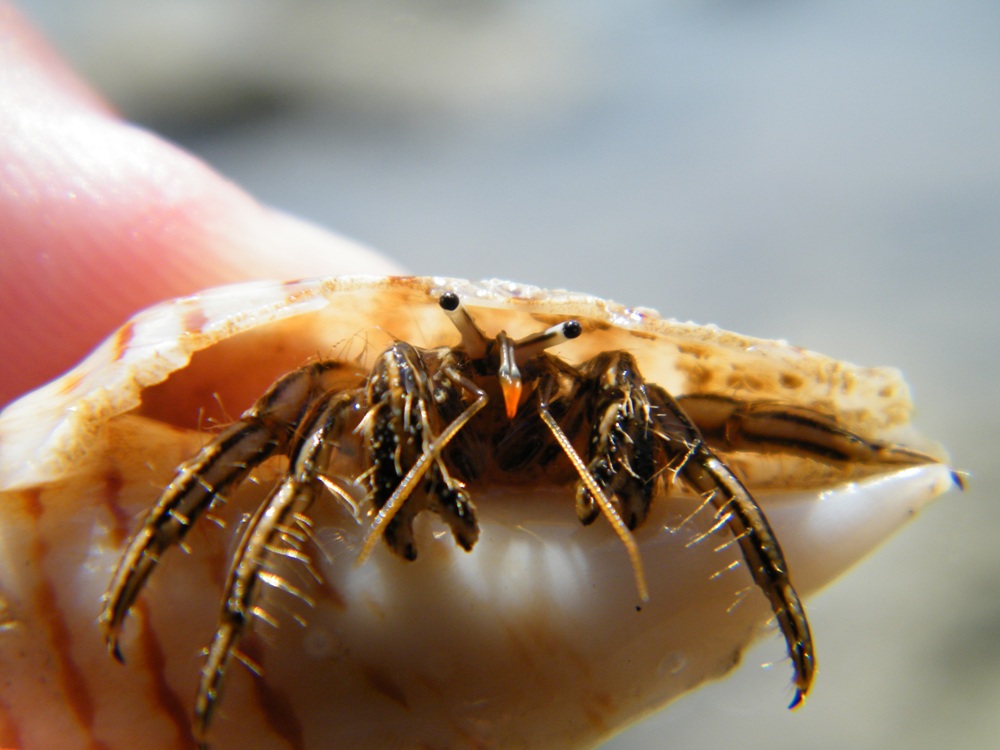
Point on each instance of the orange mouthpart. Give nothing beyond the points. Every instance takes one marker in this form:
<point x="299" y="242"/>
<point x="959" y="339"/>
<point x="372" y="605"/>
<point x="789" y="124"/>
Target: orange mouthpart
<point x="511" y="395"/>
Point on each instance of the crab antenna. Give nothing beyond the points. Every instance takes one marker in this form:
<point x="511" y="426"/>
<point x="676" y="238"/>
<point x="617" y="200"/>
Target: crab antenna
<point x="473" y="339"/>
<point x="509" y="375"/>
<point x="560" y="333"/>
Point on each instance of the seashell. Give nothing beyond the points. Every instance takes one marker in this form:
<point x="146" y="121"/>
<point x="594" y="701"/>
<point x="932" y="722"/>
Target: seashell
<point x="537" y="637"/>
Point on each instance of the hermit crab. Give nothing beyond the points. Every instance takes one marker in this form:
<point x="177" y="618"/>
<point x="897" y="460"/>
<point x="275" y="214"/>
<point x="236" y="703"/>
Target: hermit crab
<point x="425" y="512"/>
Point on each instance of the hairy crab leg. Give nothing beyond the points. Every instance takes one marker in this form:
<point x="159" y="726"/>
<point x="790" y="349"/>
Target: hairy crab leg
<point x="757" y="425"/>
<point x="417" y="471"/>
<point x="293" y="496"/>
<point x="222" y="464"/>
<point x="225" y="462"/>
<point x="736" y="508"/>
<point x="622" y="443"/>
<point x="763" y="554"/>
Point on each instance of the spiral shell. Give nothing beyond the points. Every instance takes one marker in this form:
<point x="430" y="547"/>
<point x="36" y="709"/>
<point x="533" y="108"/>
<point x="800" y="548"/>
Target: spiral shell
<point x="531" y="640"/>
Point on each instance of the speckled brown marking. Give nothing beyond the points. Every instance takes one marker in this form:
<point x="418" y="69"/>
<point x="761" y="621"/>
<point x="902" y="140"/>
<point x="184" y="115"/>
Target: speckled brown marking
<point x="643" y="335"/>
<point x="68" y="383"/>
<point x="71" y="677"/>
<point x="700" y="376"/>
<point x="847" y="379"/>
<point x="790" y="380"/>
<point x="194" y="320"/>
<point x="110" y="497"/>
<point x="278" y="709"/>
<point x="330" y="594"/>
<point x="695" y="349"/>
<point x="520" y="647"/>
<point x="170" y="703"/>
<point x="741" y="380"/>
<point x="597" y="708"/>
<point x="296" y="290"/>
<point x="384" y="684"/>
<point x="592" y="326"/>
<point x="10" y="735"/>
<point x="122" y="339"/>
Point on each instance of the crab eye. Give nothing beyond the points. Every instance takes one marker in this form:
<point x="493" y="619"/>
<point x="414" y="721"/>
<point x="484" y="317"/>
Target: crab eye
<point x="531" y="345"/>
<point x="473" y="339"/>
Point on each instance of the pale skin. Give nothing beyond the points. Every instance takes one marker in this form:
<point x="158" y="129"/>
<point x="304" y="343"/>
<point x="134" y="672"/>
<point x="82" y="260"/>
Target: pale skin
<point x="101" y="218"/>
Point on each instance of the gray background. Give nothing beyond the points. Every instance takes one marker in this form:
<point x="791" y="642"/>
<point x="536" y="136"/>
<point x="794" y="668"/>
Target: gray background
<point x="825" y="172"/>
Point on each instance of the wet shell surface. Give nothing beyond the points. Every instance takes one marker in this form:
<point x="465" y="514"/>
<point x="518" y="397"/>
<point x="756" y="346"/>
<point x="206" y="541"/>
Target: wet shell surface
<point x="535" y="639"/>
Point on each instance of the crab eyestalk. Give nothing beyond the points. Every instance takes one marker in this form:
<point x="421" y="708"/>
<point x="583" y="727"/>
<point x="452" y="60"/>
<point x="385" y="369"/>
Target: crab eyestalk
<point x="474" y="340"/>
<point x="536" y="343"/>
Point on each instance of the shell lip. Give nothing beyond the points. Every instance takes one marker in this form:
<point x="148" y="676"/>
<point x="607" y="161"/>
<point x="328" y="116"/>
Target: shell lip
<point x="43" y="434"/>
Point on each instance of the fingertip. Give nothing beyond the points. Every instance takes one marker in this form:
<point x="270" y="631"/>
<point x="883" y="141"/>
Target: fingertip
<point x="100" y="218"/>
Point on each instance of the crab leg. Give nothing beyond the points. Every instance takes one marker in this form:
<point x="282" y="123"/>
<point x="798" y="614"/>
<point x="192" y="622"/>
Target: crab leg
<point x="622" y="441"/>
<point x="258" y="545"/>
<point x="267" y="427"/>
<point x="759" y="425"/>
<point x="736" y="507"/>
<point x="419" y="469"/>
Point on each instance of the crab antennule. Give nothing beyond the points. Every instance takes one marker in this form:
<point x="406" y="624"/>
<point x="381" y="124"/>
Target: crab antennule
<point x="473" y="339"/>
<point x="605" y="505"/>
<point x="560" y="333"/>
<point x="509" y="375"/>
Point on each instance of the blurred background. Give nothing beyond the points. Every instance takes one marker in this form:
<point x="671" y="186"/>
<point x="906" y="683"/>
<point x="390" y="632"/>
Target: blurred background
<point x="826" y="172"/>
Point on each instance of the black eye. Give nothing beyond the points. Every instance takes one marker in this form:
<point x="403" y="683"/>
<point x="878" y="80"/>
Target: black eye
<point x="572" y="329"/>
<point x="449" y="301"/>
